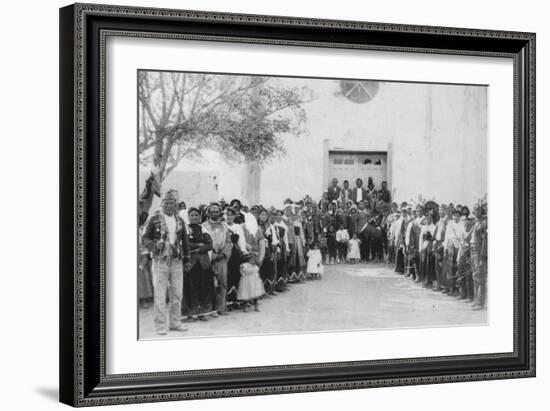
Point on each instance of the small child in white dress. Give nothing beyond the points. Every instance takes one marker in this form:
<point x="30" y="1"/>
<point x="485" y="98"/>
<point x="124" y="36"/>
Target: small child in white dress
<point x="354" y="255"/>
<point x="251" y="287"/>
<point x="315" y="267"/>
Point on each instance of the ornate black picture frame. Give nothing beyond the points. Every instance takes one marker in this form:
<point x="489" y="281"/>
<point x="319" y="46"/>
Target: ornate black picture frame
<point x="83" y="30"/>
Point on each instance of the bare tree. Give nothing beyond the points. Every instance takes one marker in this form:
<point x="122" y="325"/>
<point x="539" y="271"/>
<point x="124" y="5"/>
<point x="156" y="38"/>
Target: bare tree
<point x="244" y="117"/>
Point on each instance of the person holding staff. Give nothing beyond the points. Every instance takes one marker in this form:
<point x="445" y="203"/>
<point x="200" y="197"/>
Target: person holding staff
<point x="165" y="237"/>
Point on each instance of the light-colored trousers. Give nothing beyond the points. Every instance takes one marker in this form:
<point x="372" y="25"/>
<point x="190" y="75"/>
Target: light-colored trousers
<point x="220" y="272"/>
<point x="167" y="277"/>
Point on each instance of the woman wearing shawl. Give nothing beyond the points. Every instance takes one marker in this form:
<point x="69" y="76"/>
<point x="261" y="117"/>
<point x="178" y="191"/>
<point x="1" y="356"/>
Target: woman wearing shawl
<point x="281" y="283"/>
<point x="297" y="243"/>
<point x="198" y="281"/>
<point x="427" y="258"/>
<point x="254" y="236"/>
<point x="237" y="253"/>
<point x="269" y="263"/>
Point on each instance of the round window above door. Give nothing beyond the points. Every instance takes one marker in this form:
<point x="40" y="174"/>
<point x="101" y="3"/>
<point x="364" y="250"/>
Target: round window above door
<point x="359" y="91"/>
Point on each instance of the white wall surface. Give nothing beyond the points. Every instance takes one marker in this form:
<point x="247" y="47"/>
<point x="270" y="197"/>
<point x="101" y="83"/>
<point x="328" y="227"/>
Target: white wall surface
<point x="435" y="130"/>
<point x="28" y="357"/>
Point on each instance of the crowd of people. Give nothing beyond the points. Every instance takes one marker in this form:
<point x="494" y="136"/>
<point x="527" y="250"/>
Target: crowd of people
<point x="202" y="262"/>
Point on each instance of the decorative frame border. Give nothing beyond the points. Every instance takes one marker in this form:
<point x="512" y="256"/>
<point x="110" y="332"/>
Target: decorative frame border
<point x="83" y="382"/>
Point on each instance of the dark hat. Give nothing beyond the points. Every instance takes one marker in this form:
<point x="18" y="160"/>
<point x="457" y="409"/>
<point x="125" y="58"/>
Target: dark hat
<point x="236" y="200"/>
<point x="193" y="209"/>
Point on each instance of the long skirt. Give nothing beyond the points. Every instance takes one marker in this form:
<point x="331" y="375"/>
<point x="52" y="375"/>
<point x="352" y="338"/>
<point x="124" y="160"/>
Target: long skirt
<point x="297" y="261"/>
<point x="145" y="278"/>
<point x="198" y="291"/>
<point x="400" y="261"/>
<point x="233" y="275"/>
<point x="282" y="270"/>
<point x="391" y="252"/>
<point x="268" y="270"/>
<point x="412" y="262"/>
<point x="427" y="267"/>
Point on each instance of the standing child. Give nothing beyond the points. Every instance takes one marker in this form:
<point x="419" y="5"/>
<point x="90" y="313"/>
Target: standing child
<point x="342" y="238"/>
<point x="314" y="261"/>
<point x="323" y="245"/>
<point x="354" y="254"/>
<point x="332" y="244"/>
<point x="250" y="284"/>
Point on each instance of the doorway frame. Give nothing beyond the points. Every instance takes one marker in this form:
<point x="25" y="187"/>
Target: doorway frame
<point x="327" y="151"/>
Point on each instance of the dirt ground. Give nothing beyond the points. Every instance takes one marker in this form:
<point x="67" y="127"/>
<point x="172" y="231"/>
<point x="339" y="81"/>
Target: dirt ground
<point x="348" y="297"/>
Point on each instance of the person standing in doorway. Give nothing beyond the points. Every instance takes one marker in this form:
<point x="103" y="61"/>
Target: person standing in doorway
<point x="359" y="194"/>
<point x="345" y="193"/>
<point x="384" y="193"/>
<point x="334" y="190"/>
<point x="371" y="194"/>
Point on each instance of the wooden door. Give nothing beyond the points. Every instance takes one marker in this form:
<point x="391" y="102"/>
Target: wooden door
<point x="353" y="165"/>
<point x="374" y="166"/>
<point x="343" y="166"/>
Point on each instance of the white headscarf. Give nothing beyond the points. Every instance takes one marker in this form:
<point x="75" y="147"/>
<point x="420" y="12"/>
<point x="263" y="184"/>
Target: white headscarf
<point x="250" y="223"/>
<point x="184" y="216"/>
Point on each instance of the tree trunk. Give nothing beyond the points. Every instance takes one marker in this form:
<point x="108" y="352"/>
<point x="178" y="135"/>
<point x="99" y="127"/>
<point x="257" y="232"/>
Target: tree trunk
<point x="250" y="188"/>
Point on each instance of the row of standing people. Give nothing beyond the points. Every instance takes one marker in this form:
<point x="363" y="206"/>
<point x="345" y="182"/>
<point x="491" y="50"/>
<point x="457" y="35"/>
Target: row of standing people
<point x="220" y="258"/>
<point x="232" y="255"/>
<point x="445" y="250"/>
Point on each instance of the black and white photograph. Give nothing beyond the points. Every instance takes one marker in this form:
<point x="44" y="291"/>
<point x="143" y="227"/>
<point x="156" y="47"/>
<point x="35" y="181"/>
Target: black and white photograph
<point x="277" y="205"/>
<point x="258" y="203"/>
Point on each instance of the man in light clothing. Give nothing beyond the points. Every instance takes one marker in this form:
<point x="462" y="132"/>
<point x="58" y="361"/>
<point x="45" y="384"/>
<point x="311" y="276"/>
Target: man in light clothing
<point x="454" y="234"/>
<point x="221" y="251"/>
<point x="165" y="237"/>
<point x="440" y="249"/>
